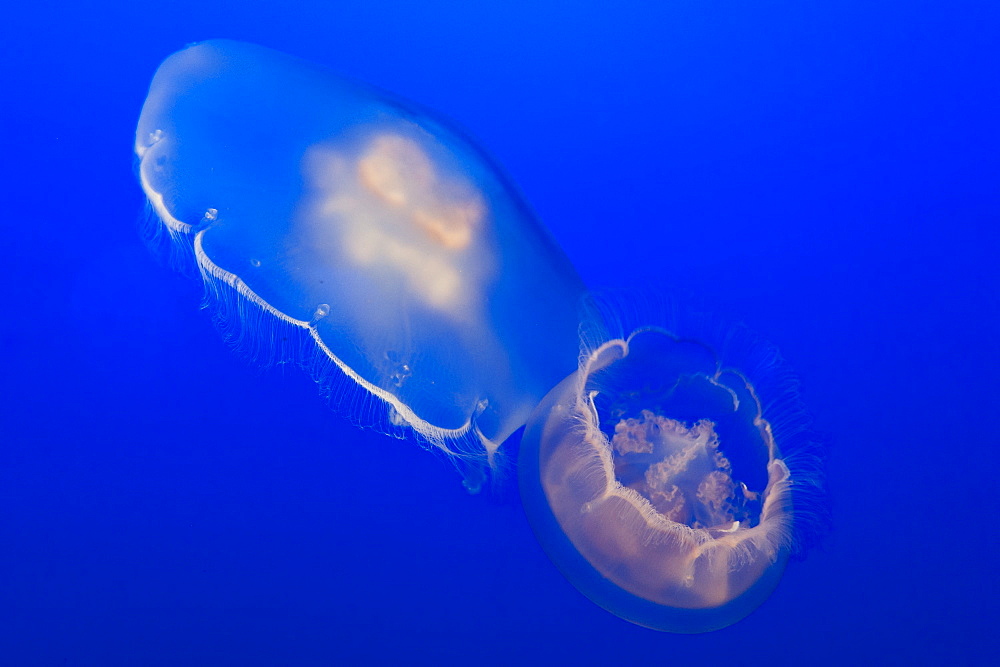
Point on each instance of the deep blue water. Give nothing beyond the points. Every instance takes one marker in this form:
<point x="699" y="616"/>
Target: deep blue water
<point x="828" y="175"/>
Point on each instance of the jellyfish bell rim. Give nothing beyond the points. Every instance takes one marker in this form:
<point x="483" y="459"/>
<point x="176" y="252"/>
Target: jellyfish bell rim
<point x="553" y="412"/>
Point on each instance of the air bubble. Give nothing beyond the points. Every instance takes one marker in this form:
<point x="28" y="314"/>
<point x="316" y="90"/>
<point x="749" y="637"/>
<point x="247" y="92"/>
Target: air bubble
<point x="322" y="310"/>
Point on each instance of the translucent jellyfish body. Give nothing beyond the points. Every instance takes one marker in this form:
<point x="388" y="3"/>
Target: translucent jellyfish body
<point x="654" y="482"/>
<point x="365" y="239"/>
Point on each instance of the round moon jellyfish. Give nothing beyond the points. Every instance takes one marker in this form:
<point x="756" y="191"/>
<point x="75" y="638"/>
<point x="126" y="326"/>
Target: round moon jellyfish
<point x="655" y="481"/>
<point x="363" y="238"/>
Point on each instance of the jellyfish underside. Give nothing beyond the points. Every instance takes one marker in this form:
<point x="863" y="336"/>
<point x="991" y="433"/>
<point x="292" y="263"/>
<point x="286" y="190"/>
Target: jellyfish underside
<point x="401" y="264"/>
<point x="654" y="483"/>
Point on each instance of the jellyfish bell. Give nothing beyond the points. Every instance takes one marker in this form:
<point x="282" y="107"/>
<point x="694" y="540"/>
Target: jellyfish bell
<point x="363" y="238"/>
<point x="655" y="481"/>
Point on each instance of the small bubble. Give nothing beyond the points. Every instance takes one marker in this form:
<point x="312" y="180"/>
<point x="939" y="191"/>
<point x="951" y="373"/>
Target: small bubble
<point x="399" y="371"/>
<point x="473" y="485"/>
<point x="211" y="215"/>
<point x="322" y="310"/>
<point x="255" y="263"/>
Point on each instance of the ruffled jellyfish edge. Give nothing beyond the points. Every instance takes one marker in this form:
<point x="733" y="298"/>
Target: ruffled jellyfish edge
<point x="239" y="312"/>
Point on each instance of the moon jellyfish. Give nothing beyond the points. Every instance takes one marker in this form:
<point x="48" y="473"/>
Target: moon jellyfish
<point x="361" y="237"/>
<point x="657" y="482"/>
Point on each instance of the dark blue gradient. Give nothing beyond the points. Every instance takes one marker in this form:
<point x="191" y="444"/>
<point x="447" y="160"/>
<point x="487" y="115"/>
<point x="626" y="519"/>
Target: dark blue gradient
<point x="824" y="172"/>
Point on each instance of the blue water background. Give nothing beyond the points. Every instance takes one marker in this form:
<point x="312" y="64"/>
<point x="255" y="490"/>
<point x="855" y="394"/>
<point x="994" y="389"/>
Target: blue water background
<point x="827" y="173"/>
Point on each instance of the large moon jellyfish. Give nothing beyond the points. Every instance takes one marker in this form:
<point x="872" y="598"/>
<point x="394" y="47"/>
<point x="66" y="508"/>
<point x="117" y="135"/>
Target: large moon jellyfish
<point x="362" y="237"/>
